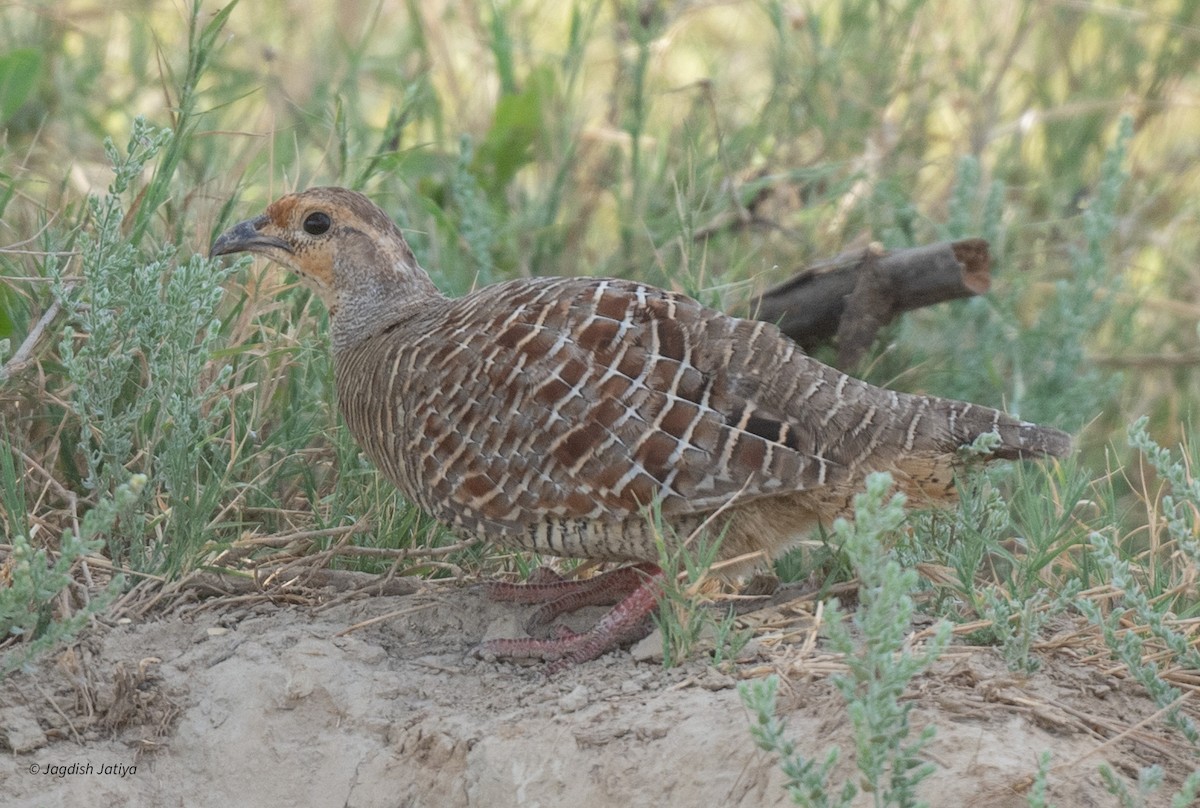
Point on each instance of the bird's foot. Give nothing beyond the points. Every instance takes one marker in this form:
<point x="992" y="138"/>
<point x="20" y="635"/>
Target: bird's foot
<point x="559" y="596"/>
<point x="626" y="622"/>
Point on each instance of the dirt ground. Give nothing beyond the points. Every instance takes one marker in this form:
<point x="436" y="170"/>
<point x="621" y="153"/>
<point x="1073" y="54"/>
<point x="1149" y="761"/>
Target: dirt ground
<point x="271" y="704"/>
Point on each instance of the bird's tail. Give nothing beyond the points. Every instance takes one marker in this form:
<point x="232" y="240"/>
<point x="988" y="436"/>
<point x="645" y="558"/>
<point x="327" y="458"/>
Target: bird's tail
<point x="1017" y="439"/>
<point x="946" y="434"/>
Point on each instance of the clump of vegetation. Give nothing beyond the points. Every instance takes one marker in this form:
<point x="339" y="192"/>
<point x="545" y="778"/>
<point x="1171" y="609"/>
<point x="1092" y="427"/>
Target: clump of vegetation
<point x="880" y="664"/>
<point x="687" y="620"/>
<point x="36" y="586"/>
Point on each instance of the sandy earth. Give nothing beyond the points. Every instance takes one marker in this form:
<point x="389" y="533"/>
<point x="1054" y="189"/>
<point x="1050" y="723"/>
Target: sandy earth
<point x="274" y="705"/>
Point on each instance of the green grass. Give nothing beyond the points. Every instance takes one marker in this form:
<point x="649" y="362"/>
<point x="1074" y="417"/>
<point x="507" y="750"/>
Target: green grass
<point x="711" y="148"/>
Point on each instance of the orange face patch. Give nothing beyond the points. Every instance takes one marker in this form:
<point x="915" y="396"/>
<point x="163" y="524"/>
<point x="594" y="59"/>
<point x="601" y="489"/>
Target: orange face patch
<point x="280" y="211"/>
<point x="314" y="264"/>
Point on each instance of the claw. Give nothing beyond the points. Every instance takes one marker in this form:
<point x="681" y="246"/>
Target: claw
<point x="626" y="622"/>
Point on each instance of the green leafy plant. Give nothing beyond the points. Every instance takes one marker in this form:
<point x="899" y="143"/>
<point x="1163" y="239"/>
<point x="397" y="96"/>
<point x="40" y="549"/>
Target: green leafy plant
<point x="32" y="604"/>
<point x="1149" y="780"/>
<point x="20" y="70"/>
<point x="1037" y="790"/>
<point x="1016" y="625"/>
<point x="1128" y="646"/>
<point x="1016" y="551"/>
<point x="144" y="331"/>
<point x="808" y="781"/>
<point x="684" y="618"/>
<point x="880" y="665"/>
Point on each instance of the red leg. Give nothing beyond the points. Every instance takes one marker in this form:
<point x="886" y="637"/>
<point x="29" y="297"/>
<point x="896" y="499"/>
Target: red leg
<point x="544" y="575"/>
<point x="626" y="622"/>
<point x="560" y="597"/>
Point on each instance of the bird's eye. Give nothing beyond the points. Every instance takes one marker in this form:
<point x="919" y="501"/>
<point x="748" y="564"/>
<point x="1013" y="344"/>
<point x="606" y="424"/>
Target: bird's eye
<point x="316" y="223"/>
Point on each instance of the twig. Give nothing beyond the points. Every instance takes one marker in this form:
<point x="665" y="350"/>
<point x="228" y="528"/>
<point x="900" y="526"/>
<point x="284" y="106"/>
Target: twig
<point x="20" y="359"/>
<point x="1128" y="732"/>
<point x="50" y="700"/>
<point x="386" y="616"/>
<point x="282" y="539"/>
<point x="406" y="553"/>
<point x="55" y="253"/>
<point x="32" y="463"/>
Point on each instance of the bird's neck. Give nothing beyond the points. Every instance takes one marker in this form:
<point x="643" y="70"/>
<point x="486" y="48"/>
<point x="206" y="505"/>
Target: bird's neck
<point x="376" y="294"/>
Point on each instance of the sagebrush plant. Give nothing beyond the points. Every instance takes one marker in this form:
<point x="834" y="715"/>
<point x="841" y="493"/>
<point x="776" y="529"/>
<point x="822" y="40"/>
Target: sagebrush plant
<point x="809" y="782"/>
<point x="1037" y="790"/>
<point x="1180" y="503"/>
<point x="36" y="594"/>
<point x="141" y="333"/>
<point x="1017" y="624"/>
<point x="1153" y="614"/>
<point x="1038" y="365"/>
<point x="1149" y="780"/>
<point x="873" y="641"/>
<point x="1188" y="791"/>
<point x="1129" y="646"/>
<point x="1138" y="608"/>
<point x="1016" y="544"/>
<point x="880" y="663"/>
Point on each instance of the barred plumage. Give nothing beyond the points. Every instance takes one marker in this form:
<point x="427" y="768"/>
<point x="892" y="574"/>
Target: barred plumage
<point x="548" y="414"/>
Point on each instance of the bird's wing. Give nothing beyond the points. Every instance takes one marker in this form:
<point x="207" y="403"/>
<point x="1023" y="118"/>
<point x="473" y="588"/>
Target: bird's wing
<point x="591" y="399"/>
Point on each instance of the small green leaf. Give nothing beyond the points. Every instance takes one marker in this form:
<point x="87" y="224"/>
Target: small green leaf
<point x="7" y="320"/>
<point x="516" y="127"/>
<point x="20" y="70"/>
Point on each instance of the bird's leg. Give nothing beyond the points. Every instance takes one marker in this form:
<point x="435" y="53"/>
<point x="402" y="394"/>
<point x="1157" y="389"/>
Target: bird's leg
<point x="559" y="596"/>
<point x="626" y="622"/>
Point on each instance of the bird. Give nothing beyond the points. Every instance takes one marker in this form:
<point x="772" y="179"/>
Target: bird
<point x="601" y="418"/>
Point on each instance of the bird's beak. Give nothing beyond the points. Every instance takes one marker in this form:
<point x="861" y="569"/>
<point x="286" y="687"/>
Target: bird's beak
<point x="246" y="237"/>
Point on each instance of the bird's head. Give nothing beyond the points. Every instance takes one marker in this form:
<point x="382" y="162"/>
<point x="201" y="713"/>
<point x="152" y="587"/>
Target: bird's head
<point x="338" y="241"/>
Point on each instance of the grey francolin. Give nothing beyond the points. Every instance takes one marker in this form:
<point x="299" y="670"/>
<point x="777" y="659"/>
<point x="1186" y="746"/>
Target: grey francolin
<point x="550" y="414"/>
